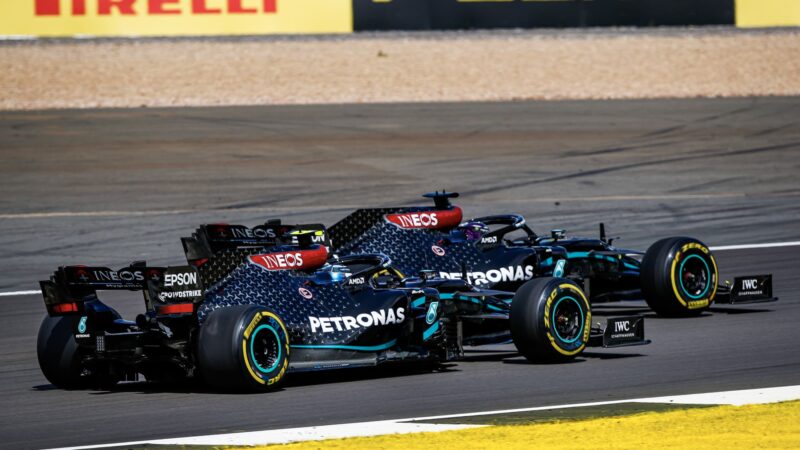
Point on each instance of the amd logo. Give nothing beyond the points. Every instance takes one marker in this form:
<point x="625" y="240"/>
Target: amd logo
<point x="154" y="7"/>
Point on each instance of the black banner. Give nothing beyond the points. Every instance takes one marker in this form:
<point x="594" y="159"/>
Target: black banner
<point x="487" y="14"/>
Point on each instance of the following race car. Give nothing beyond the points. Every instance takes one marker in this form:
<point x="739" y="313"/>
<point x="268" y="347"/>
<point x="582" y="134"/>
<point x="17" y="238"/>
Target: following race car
<point x="676" y="276"/>
<point x="278" y="308"/>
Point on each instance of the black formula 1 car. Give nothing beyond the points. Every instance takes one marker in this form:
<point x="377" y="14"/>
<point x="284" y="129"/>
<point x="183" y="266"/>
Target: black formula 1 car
<point x="677" y="276"/>
<point x="274" y="308"/>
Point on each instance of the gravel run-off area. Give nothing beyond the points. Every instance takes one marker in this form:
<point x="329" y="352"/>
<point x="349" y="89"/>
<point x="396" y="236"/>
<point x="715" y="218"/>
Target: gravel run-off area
<point x="400" y="67"/>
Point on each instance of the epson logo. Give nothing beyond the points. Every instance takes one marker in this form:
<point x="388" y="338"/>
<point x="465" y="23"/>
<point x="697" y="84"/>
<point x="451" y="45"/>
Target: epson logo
<point x="749" y="284"/>
<point x="122" y="275"/>
<point x="364" y="320"/>
<point x="180" y="279"/>
<point x="279" y="261"/>
<point x="510" y="273"/>
<point x="489" y="240"/>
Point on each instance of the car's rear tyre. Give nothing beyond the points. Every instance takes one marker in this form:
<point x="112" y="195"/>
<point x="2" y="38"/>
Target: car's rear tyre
<point x="550" y="320"/>
<point x="58" y="353"/>
<point x="243" y="348"/>
<point x="679" y="277"/>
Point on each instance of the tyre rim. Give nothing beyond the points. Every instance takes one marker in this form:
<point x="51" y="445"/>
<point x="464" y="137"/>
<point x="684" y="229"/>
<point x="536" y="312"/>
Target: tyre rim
<point x="568" y="319"/>
<point x="265" y="348"/>
<point x="693" y="275"/>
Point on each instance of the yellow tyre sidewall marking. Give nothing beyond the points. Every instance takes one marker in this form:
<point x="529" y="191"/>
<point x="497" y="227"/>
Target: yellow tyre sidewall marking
<point x="694" y="304"/>
<point x="587" y="326"/>
<point x="249" y="330"/>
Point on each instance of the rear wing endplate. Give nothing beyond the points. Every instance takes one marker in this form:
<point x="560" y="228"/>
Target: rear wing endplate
<point x="163" y="287"/>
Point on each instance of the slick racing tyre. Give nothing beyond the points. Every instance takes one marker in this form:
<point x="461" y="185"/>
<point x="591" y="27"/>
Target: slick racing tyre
<point x="550" y="320"/>
<point x="679" y="277"/>
<point x="58" y="353"/>
<point x="243" y="348"/>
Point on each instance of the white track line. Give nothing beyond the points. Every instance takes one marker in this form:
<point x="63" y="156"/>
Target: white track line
<point x="716" y="249"/>
<point x="10" y="294"/>
<point x="748" y="246"/>
<point x="412" y="425"/>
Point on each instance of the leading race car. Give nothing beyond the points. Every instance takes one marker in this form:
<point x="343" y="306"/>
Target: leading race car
<point x="274" y="308"/>
<point x="677" y="276"/>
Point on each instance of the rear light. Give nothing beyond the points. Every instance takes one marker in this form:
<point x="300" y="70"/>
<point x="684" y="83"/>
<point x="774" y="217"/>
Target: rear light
<point x="199" y="262"/>
<point x="179" y="308"/>
<point x="63" y="308"/>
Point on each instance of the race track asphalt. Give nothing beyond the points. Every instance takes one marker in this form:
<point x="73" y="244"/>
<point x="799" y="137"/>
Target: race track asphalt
<point x="110" y="186"/>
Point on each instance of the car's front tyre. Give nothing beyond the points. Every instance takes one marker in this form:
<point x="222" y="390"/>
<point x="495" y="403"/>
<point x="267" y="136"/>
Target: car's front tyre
<point x="679" y="277"/>
<point x="550" y="320"/>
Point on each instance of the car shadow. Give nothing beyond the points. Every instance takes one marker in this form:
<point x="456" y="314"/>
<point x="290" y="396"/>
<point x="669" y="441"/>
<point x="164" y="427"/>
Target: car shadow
<point x="194" y="386"/>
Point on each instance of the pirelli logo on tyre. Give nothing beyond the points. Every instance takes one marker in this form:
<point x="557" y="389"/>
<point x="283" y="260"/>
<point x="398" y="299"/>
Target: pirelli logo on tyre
<point x="173" y="17"/>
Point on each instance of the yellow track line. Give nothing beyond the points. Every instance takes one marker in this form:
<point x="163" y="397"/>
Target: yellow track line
<point x="775" y="426"/>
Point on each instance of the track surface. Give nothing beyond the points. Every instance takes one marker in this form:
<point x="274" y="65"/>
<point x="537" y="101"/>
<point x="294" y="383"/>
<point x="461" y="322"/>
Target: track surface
<point x="108" y="187"/>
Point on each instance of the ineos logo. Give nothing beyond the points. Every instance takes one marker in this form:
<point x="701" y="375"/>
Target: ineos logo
<point x="414" y="220"/>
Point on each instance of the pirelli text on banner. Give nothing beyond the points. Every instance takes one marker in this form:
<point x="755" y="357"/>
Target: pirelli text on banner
<point x="173" y="17"/>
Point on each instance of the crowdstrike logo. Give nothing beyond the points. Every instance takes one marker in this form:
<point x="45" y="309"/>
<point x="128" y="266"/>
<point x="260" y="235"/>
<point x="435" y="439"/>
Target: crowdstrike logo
<point x="364" y="320"/>
<point x="510" y="273"/>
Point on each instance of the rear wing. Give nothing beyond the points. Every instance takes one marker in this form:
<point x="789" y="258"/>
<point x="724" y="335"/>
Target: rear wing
<point x="217" y="249"/>
<point x="212" y="239"/>
<point x="166" y="290"/>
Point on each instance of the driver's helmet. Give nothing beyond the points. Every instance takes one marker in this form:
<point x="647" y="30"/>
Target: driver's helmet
<point x="473" y="230"/>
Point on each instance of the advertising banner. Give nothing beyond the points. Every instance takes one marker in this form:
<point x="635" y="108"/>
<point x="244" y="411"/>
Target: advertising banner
<point x="490" y="14"/>
<point x="767" y="13"/>
<point x="55" y="18"/>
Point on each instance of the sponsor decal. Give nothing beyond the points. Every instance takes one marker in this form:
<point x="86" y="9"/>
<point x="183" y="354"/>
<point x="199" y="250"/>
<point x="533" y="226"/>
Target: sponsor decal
<point x="173" y="17"/>
<point x="430" y="317"/>
<point x="164" y="296"/>
<point x="439" y="251"/>
<point x="357" y="281"/>
<point x="624" y="330"/>
<point x="180" y="279"/>
<point x="510" y="273"/>
<point x="152" y="7"/>
<point x="317" y="236"/>
<point x="105" y="276"/>
<point x="305" y="293"/>
<point x="291" y="260"/>
<point x="122" y="275"/>
<point x="489" y="240"/>
<point x="82" y="336"/>
<point x="559" y="270"/>
<point x="82" y="325"/>
<point x="365" y="320"/>
<point x="252" y="233"/>
<point x="749" y="284"/>
<point x="426" y="219"/>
